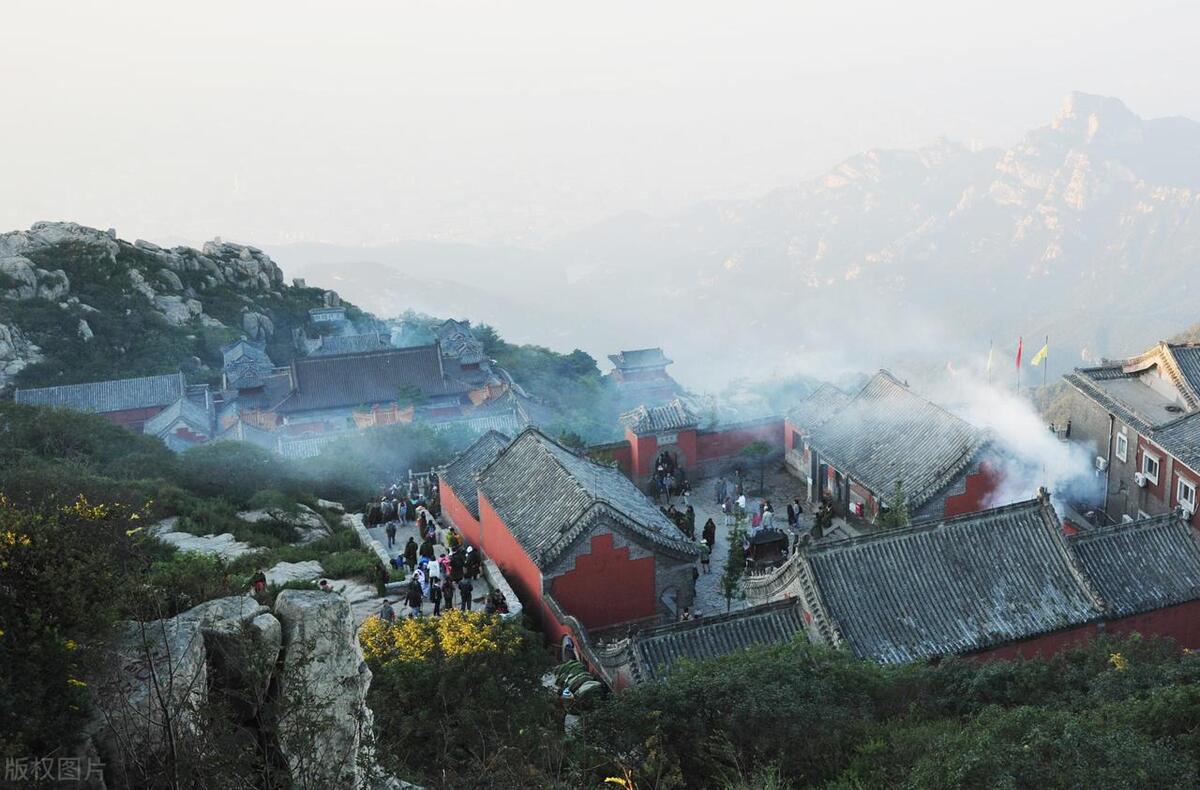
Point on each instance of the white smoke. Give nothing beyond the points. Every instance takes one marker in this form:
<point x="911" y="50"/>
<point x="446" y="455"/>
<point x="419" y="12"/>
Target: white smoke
<point x="1034" y="456"/>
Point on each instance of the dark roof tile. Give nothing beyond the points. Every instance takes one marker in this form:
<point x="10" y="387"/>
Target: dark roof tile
<point x="109" y="396"/>
<point x="1142" y="566"/>
<point x="548" y="496"/>
<point x="955" y="586"/>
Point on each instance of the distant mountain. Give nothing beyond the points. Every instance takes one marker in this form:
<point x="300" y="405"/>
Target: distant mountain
<point x="1087" y="230"/>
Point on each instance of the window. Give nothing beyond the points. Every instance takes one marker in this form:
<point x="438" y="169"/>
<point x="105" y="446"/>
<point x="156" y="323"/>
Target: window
<point x="1150" y="467"/>
<point x="1185" y="492"/>
<point x="1122" y="447"/>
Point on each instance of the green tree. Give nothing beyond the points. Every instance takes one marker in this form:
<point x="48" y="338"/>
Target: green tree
<point x="735" y="568"/>
<point x="757" y="453"/>
<point x="896" y="512"/>
<point x="409" y="395"/>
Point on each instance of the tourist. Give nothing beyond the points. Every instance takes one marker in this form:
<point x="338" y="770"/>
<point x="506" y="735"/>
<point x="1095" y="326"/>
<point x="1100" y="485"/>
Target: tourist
<point x="391" y="533"/>
<point x="495" y="603"/>
<point x="689" y="520"/>
<point x="687" y="495"/>
<point x="386" y="613"/>
<point x="687" y="613"/>
<point x="741" y="504"/>
<point x="444" y="565"/>
<point x="453" y="541"/>
<point x="705" y="555"/>
<point x="325" y="586"/>
<point x="426" y="551"/>
<point x="258" y="582"/>
<point x="448" y="592"/>
<point x="413" y="597"/>
<point x="465" y="589"/>
<point x="435" y="595"/>
<point x="670" y="483"/>
<point x="458" y="562"/>
<point x="727" y="509"/>
<point x="410" y="553"/>
<point x="474" y="563"/>
<point x="768" y="515"/>
<point x="793" y="513"/>
<point x="710" y="533"/>
<point x="721" y="491"/>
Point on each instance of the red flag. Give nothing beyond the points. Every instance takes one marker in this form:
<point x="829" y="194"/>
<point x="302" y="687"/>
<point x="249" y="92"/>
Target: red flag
<point x="1020" y="348"/>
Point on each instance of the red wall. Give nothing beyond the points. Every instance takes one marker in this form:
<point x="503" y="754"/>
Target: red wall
<point x="979" y="487"/>
<point x="723" y="443"/>
<point x="132" y="419"/>
<point x="454" y="509"/>
<point x="499" y="545"/>
<point x="1047" y="645"/>
<point x="1181" y="623"/>
<point x="1158" y="489"/>
<point x="643" y="449"/>
<point x="607" y="586"/>
<point x="1187" y="474"/>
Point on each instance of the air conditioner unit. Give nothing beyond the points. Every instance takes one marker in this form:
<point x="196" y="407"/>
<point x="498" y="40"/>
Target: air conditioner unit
<point x="1101" y="463"/>
<point x="1140" y="480"/>
<point x="1126" y="519"/>
<point x="1188" y="507"/>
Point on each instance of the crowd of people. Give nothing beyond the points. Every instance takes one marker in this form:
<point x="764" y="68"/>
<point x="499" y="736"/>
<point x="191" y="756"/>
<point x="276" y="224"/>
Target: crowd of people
<point x="438" y="578"/>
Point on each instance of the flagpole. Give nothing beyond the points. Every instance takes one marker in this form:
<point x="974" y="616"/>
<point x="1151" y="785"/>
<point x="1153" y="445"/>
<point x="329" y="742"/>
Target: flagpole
<point x="1044" y="360"/>
<point x="1020" y="348"/>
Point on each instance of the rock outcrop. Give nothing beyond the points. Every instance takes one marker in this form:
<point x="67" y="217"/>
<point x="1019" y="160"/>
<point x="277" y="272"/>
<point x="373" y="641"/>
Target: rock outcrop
<point x="152" y="685"/>
<point x="174" y="283"/>
<point x="290" y="684"/>
<point x="323" y="729"/>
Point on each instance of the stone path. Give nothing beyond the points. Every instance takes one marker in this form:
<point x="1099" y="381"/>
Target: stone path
<point x="779" y="487"/>
<point x="403" y="532"/>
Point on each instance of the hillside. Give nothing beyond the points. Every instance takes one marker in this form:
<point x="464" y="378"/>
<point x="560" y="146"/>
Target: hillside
<point x="79" y="304"/>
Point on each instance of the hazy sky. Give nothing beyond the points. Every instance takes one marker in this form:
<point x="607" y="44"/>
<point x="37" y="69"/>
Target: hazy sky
<point x="358" y="122"/>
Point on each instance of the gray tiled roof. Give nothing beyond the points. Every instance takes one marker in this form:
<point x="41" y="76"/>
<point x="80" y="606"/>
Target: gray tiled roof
<point x="1180" y="437"/>
<point x="548" y="497"/>
<point x="1187" y="358"/>
<point x="350" y="380"/>
<point x="192" y="414"/>
<point x="457" y="342"/>
<point x="637" y="358"/>
<point x="887" y="433"/>
<point x="1142" y="566"/>
<point x="109" y="396"/>
<point x="656" y="650"/>
<point x="956" y="586"/>
<point x="351" y="344"/>
<point x="818" y="407"/>
<point x="460" y="474"/>
<point x="671" y="416"/>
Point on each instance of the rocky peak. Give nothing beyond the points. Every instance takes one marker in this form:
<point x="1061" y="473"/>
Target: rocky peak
<point x="1088" y="119"/>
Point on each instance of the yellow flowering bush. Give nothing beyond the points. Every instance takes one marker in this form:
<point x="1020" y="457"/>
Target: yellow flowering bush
<point x="455" y="634"/>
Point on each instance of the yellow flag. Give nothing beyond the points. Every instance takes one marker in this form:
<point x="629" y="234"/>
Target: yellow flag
<point x="1040" y="356"/>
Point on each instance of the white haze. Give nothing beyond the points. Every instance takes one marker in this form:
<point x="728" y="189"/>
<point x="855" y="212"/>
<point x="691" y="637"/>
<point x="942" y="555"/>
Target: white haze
<point x="366" y="122"/>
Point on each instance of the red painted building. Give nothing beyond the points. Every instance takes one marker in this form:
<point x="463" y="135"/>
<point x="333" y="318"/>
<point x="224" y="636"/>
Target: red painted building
<point x="561" y="525"/>
<point x="995" y="584"/>
<point x="640" y="376"/>
<point x="854" y="449"/>
<point x="669" y="433"/>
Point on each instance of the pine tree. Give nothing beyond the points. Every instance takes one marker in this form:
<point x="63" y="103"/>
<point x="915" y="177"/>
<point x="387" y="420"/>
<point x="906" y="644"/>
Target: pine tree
<point x="896" y="514"/>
